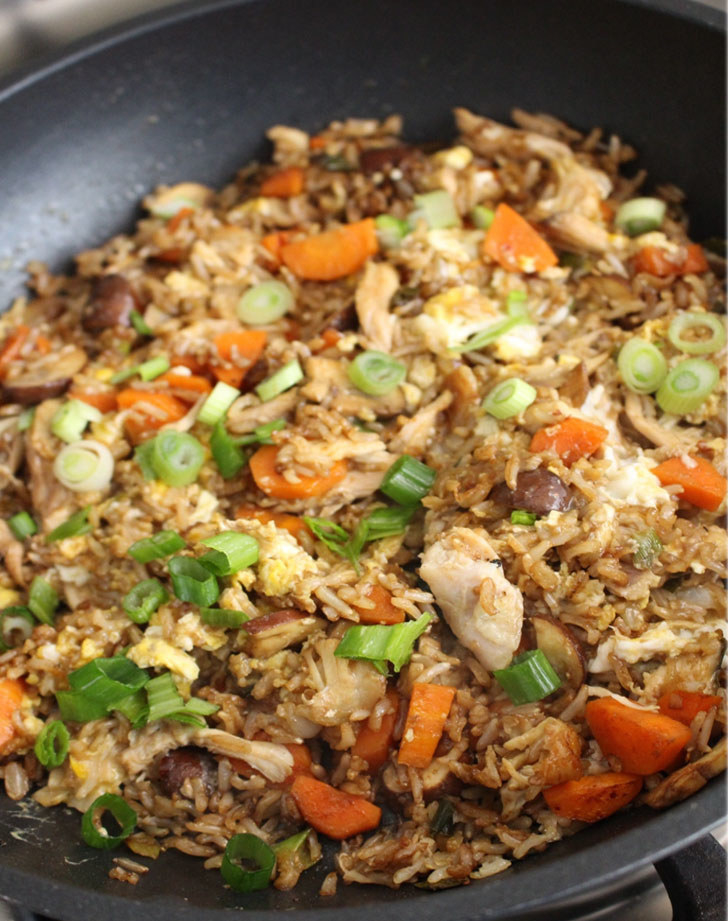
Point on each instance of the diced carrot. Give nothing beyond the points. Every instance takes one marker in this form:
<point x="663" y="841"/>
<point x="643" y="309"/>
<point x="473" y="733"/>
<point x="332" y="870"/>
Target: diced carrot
<point x="11" y="695"/>
<point x="330" y="337"/>
<point x="189" y="386"/>
<point x="103" y="400"/>
<point x="43" y="344"/>
<point x="701" y="483"/>
<point x="333" y="812"/>
<point x="645" y="742"/>
<point x="295" y="526"/>
<point x="592" y="797"/>
<point x="515" y="245"/>
<point x="173" y="255"/>
<point x="187" y="361"/>
<point x="317" y="142"/>
<point x="284" y="184"/>
<point x="242" y="347"/>
<point x="607" y="212"/>
<point x="150" y="411"/>
<point x="275" y="241"/>
<point x="174" y="222"/>
<point x="272" y="483"/>
<point x="684" y="706"/>
<point x="571" y="439"/>
<point x="428" y="710"/>
<point x="372" y="745"/>
<point x="12" y="347"/>
<point x="383" y="612"/>
<point x="655" y="261"/>
<point x="333" y="253"/>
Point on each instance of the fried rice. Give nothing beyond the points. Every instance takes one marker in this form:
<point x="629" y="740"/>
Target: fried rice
<point x="601" y="553"/>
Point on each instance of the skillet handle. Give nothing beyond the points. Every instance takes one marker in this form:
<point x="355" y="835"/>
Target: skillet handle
<point x="695" y="879"/>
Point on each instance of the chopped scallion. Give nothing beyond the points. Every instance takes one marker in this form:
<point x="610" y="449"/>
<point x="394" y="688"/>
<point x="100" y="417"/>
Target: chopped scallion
<point x="482" y="217"/>
<point x="283" y="379"/>
<point x="163" y="697"/>
<point x="408" y="480"/>
<point x="642" y="366"/>
<point x="144" y="599"/>
<point x="70" y="420"/>
<point x="387" y="522"/>
<point x="640" y="215"/>
<point x="223" y="617"/>
<point x="265" y="303"/>
<point x="519" y="516"/>
<point x="215" y="407"/>
<point x="191" y="581"/>
<point x="379" y="643"/>
<point x="230" y="552"/>
<point x="647" y="548"/>
<point x="687" y="386"/>
<point x="442" y="823"/>
<point x="529" y="677"/>
<point x="390" y="230"/>
<point x="226" y="452"/>
<point x="490" y="334"/>
<point x="252" y="850"/>
<point x="707" y="333"/>
<point x="51" y="746"/>
<point x="140" y="324"/>
<point x="509" y="398"/>
<point x="436" y="208"/>
<point x="25" y="419"/>
<point x="42" y="600"/>
<point x="75" y="526"/>
<point x="160" y="545"/>
<point x="376" y="373"/>
<point x="16" y="625"/>
<point x="86" y="466"/>
<point x="22" y="526"/>
<point x="149" y="370"/>
<point x="261" y="433"/>
<point x="94" y="833"/>
<point x="177" y="457"/>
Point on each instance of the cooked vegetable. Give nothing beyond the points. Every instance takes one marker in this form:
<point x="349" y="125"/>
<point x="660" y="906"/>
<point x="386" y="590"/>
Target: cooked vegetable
<point x="408" y="480"/>
<point x="645" y="742"/>
<point x="687" y="386"/>
<point x="429" y="708"/>
<point x="482" y="217"/>
<point x="390" y="230"/>
<point x="642" y="366"/>
<point x="239" y="349"/>
<point x="284" y="184"/>
<point x="656" y="261"/>
<point x="333" y="812"/>
<point x="529" y="677"/>
<point x="45" y="377"/>
<point x="148" y="410"/>
<point x="647" y="549"/>
<point x="143" y="599"/>
<point x="380" y="644"/>
<point x="12" y="348"/>
<point x="103" y="400"/>
<point x="252" y="850"/>
<point x="215" y="407"/>
<point x="272" y="483"/>
<point x="571" y="439"/>
<point x="176" y="458"/>
<point x="383" y="611"/>
<point x="295" y="526"/>
<point x="561" y="648"/>
<point x="11" y="696"/>
<point x="74" y="526"/>
<point x="42" y="600"/>
<point x="492" y="333"/>
<point x="684" y="706"/>
<point x="22" y="526"/>
<point x="51" y="746"/>
<point x="283" y="379"/>
<point x="376" y="373"/>
<point x="86" y="466"/>
<point x="71" y="419"/>
<point x="372" y="745"/>
<point x="140" y="324"/>
<point x="436" y="208"/>
<point x="265" y="303"/>
<point x="147" y="370"/>
<point x="333" y="253"/>
<point x="537" y="491"/>
<point x="518" y="516"/>
<point x="160" y="545"/>
<point x="515" y="245"/>
<point x="230" y="552"/>
<point x="223" y="617"/>
<point x="191" y="581"/>
<point x="701" y="483"/>
<point x="226" y="452"/>
<point x="594" y="797"/>
<point x="640" y="215"/>
<point x="706" y="333"/>
<point x="509" y="398"/>
<point x="94" y="833"/>
<point x="186" y="387"/>
<point x="16" y="625"/>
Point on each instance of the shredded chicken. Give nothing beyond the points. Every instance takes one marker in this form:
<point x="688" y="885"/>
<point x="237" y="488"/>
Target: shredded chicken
<point x="635" y="407"/>
<point x="328" y="381"/>
<point x="372" y="299"/>
<point x="247" y="412"/>
<point x="273" y="761"/>
<point x="12" y="551"/>
<point x="575" y="231"/>
<point x="49" y="497"/>
<point x="414" y="435"/>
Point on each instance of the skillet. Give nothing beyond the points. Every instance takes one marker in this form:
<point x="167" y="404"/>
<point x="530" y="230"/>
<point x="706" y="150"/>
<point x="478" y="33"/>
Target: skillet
<point x="189" y="95"/>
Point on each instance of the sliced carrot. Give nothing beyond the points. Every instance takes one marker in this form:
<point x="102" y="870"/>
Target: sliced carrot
<point x="190" y="386"/>
<point x="103" y="400"/>
<point x="383" y="612"/>
<point x="607" y="212"/>
<point x="684" y="706"/>
<point x="701" y="483"/>
<point x="333" y="812"/>
<point x="515" y="245"/>
<point x="284" y="184"/>
<point x="242" y="347"/>
<point x="330" y="337"/>
<point x="11" y="695"/>
<point x="332" y="254"/>
<point x="275" y="241"/>
<point x="592" y="797"/>
<point x="173" y="255"/>
<point x="295" y="526"/>
<point x="174" y="222"/>
<point x="372" y="745"/>
<point x="43" y="344"/>
<point x="272" y="483"/>
<point x="571" y="439"/>
<point x="12" y="347"/>
<point x="187" y="361"/>
<point x="428" y="710"/>
<point x="655" y="261"/>
<point x="645" y="742"/>
<point x="150" y="411"/>
<point x="317" y="142"/>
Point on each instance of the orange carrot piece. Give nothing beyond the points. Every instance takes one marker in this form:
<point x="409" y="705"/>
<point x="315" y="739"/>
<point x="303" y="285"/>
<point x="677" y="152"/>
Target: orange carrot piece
<point x="174" y="255"/>
<point x="684" y="706"/>
<point x="428" y="710"/>
<point x="330" y="337"/>
<point x="645" y="742"/>
<point x="383" y="612"/>
<point x="150" y="411"/>
<point x="515" y="245"/>
<point x="11" y="694"/>
<point x="333" y="812"/>
<point x="332" y="254"/>
<point x="284" y="184"/>
<point x="12" y="347"/>
<point x="275" y="241"/>
<point x="372" y="745"/>
<point x="103" y="400"/>
<point x="174" y="222"/>
<point x="655" y="261"/>
<point x="191" y="386"/>
<point x="571" y="439"/>
<point x="43" y="344"/>
<point x="701" y="483"/>
<point x="592" y="797"/>
<point x="295" y="526"/>
<point x="317" y="142"/>
<point x="244" y="346"/>
<point x="272" y="483"/>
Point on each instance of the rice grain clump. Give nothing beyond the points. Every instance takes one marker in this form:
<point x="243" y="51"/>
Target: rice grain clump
<point x="380" y="477"/>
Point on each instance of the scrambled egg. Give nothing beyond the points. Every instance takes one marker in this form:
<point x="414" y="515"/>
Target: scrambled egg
<point x="8" y="597"/>
<point x="155" y="652"/>
<point x="281" y="561"/>
<point x="631" y="482"/>
<point x="659" y="640"/>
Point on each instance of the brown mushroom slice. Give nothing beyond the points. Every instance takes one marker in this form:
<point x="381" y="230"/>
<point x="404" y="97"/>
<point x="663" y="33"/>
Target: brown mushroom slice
<point x="562" y="649"/>
<point x="688" y="779"/>
<point x="46" y="377"/>
<point x="278" y="630"/>
<point x="438" y="780"/>
<point x="111" y="302"/>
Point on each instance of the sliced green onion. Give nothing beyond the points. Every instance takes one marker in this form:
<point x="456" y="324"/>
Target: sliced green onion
<point x="251" y="849"/>
<point x="642" y="366"/>
<point x="177" y="457"/>
<point x="509" y="398"/>
<point x="74" y="526"/>
<point x="200" y="707"/>
<point x="283" y="379"/>
<point x="215" y="407"/>
<point x="94" y="834"/>
<point x="376" y="373"/>
<point x="144" y="599"/>
<point x="77" y="707"/>
<point x="108" y="681"/>
<point x="408" y="480"/>
<point x="490" y="334"/>
<point x="336" y="163"/>
<point x="687" y="386"/>
<point x="226" y="452"/>
<point x="265" y="303"/>
<point x="135" y="708"/>
<point x="647" y="548"/>
<point x="149" y="370"/>
<point x="517" y="306"/>
<point x="293" y="853"/>
<point x="387" y="522"/>
<point x="230" y="552"/>
<point x="640" y="215"/>
<point x="390" y="230"/>
<point x="380" y="643"/>
<point x="140" y="324"/>
<point x="700" y="323"/>
<point x="223" y="617"/>
<point x="51" y="746"/>
<point x="437" y="209"/>
<point x="86" y="466"/>
<point x="70" y="420"/>
<point x="167" y="206"/>
<point x="16" y="625"/>
<point x="124" y="374"/>
<point x="482" y="217"/>
<point x="143" y="457"/>
<point x="442" y="823"/>
<point x="191" y="581"/>
<point x="529" y="677"/>
<point x="25" y="419"/>
<point x="22" y="525"/>
<point x="160" y="545"/>
<point x="261" y="433"/>
<point x="518" y="516"/>
<point x="42" y="600"/>
<point x="332" y="535"/>
<point x="163" y="697"/>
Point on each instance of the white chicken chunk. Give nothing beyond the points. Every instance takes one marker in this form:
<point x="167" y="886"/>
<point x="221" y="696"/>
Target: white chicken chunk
<point x="372" y="298"/>
<point x="482" y="608"/>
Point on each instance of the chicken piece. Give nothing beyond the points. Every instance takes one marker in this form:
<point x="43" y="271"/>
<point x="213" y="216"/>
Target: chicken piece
<point x="272" y="760"/>
<point x="50" y="499"/>
<point x="574" y="231"/>
<point x="489" y="138"/>
<point x="12" y="551"/>
<point x="551" y="749"/>
<point x="372" y="298"/>
<point x="328" y="381"/>
<point x="358" y="484"/>
<point x="482" y="608"/>
<point x="689" y="779"/>
<point x="248" y="412"/>
<point x="415" y="434"/>
<point x="576" y="189"/>
<point x="635" y="407"/>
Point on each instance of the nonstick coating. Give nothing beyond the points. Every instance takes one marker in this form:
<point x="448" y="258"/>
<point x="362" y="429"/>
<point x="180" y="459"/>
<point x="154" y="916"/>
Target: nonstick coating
<point x="189" y="96"/>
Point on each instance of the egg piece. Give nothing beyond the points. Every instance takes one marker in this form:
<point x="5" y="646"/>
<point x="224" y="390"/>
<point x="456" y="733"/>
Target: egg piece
<point x="282" y="562"/>
<point x="155" y="652"/>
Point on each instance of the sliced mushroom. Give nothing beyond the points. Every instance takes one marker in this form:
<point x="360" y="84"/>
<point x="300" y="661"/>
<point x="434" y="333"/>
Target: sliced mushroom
<point x="186" y="763"/>
<point x="277" y="630"/>
<point x="575" y="388"/>
<point x="562" y="649"/>
<point x="438" y="780"/>
<point x="46" y="377"/>
<point x="689" y="779"/>
<point x="380" y="158"/>
<point x="111" y="303"/>
<point x="539" y="491"/>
